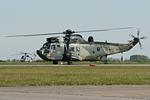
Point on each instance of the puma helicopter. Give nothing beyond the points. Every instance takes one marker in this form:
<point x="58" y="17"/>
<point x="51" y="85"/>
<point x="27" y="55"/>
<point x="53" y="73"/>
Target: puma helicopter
<point x="73" y="47"/>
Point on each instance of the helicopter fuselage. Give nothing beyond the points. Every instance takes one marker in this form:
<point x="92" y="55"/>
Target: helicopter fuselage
<point x="73" y="47"/>
<point x="81" y="50"/>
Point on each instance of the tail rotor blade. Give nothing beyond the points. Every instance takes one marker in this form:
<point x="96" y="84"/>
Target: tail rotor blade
<point x="144" y="37"/>
<point x="138" y="32"/>
<point x="132" y="36"/>
<point x="140" y="44"/>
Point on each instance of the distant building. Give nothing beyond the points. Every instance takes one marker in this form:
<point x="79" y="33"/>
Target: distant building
<point x="139" y="58"/>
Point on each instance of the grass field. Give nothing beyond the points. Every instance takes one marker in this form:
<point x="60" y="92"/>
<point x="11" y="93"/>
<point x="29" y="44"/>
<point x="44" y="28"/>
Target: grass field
<point x="48" y="76"/>
<point x="75" y="62"/>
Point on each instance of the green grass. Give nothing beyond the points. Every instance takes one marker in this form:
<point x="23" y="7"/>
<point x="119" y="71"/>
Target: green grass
<point x="75" y="62"/>
<point x="24" y="63"/>
<point x="48" y="76"/>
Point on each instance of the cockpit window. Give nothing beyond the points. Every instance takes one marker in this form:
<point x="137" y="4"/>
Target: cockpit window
<point x="58" y="45"/>
<point x="46" y="45"/>
<point x="72" y="49"/>
<point x="53" y="47"/>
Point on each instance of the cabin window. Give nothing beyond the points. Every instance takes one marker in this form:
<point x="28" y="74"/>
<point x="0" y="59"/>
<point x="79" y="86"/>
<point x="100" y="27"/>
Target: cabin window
<point x="53" y="47"/>
<point x="77" y="49"/>
<point x="58" y="45"/>
<point x="46" y="45"/>
<point x="98" y="48"/>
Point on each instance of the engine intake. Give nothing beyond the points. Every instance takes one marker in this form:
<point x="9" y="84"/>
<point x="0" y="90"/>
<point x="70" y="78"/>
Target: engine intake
<point x="90" y="39"/>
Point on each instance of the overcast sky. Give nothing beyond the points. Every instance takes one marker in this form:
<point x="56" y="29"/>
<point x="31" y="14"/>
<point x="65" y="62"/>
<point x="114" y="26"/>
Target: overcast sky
<point x="41" y="16"/>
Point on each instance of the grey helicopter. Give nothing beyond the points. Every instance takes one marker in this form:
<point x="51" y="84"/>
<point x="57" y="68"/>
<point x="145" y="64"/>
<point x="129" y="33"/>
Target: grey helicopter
<point x="24" y="56"/>
<point x="73" y="47"/>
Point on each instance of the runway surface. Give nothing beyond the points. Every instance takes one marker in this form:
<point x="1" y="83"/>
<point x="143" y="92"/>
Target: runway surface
<point x="120" y="92"/>
<point x="144" y="65"/>
<point x="138" y="92"/>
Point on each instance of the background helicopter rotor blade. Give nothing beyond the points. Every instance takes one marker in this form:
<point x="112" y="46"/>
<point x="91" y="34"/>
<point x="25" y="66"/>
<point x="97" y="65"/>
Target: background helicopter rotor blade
<point x="25" y="53"/>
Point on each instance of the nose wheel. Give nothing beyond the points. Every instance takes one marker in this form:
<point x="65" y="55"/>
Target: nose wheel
<point x="55" y="62"/>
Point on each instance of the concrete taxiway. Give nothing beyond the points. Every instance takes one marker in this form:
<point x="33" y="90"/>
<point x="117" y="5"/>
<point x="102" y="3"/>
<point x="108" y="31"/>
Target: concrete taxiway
<point x="121" y="92"/>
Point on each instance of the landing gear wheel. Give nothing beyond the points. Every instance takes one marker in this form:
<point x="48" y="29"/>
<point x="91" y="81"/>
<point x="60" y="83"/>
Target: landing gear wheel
<point x="105" y="62"/>
<point x="69" y="62"/>
<point x="55" y="62"/>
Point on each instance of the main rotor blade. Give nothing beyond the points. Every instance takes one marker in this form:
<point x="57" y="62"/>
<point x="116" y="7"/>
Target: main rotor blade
<point x="26" y="35"/>
<point x="109" y="29"/>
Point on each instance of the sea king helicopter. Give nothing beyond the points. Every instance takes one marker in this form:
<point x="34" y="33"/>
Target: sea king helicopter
<point x="73" y="47"/>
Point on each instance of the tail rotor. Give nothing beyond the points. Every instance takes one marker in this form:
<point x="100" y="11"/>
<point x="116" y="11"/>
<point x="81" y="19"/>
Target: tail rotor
<point x="137" y="39"/>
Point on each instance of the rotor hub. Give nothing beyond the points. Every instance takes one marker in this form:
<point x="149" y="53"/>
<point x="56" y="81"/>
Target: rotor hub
<point x="136" y="39"/>
<point x="69" y="32"/>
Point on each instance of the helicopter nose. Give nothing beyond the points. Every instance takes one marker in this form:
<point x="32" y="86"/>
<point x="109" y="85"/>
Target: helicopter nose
<point x="39" y="52"/>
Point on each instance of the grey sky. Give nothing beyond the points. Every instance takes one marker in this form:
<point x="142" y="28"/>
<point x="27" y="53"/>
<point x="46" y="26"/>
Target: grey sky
<point x="41" y="16"/>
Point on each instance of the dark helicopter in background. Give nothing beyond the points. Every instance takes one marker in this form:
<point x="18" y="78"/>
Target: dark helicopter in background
<point x="73" y="47"/>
